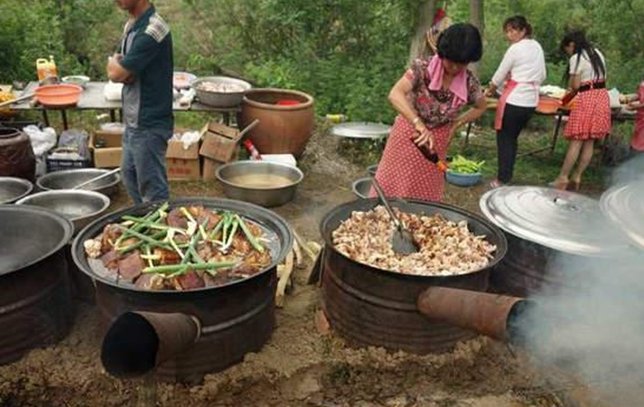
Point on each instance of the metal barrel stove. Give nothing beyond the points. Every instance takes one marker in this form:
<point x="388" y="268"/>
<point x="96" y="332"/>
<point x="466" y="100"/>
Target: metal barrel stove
<point x="35" y="306"/>
<point x="548" y="231"/>
<point x="183" y="335"/>
<point x="369" y="306"/>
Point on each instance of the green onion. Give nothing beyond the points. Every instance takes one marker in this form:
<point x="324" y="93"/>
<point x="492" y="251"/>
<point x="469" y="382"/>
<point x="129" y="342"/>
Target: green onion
<point x="173" y="268"/>
<point x="249" y="235"/>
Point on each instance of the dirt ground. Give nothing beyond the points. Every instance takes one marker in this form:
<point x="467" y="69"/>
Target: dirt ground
<point x="299" y="366"/>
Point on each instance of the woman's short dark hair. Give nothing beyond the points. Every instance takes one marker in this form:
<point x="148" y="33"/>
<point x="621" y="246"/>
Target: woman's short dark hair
<point x="518" y="23"/>
<point x="460" y="43"/>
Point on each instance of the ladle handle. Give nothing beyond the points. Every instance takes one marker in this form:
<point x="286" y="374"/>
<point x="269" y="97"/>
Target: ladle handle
<point x="18" y="99"/>
<point x="248" y="128"/>
<point x="107" y="174"/>
<point x="381" y="195"/>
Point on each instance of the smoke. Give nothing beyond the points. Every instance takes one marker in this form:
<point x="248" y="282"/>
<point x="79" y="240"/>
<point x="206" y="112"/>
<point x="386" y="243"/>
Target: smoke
<point x="592" y="326"/>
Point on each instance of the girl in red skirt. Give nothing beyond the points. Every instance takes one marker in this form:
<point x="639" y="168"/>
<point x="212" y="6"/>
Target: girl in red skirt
<point x="590" y="118"/>
<point x="428" y="98"/>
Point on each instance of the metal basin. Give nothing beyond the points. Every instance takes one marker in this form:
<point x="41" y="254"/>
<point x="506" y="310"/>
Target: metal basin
<point x="220" y="99"/>
<point x="68" y="179"/>
<point x="361" y="187"/>
<point x="81" y="207"/>
<point x="12" y="189"/>
<point x="263" y="183"/>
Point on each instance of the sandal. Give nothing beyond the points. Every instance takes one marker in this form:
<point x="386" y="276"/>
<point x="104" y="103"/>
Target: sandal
<point x="558" y="184"/>
<point x="495" y="183"/>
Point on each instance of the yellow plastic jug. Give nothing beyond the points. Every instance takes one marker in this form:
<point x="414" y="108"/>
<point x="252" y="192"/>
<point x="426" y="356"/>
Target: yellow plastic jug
<point x="46" y="68"/>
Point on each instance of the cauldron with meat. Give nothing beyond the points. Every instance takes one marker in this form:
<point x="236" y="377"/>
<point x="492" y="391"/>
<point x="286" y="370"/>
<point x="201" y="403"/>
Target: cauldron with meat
<point x="186" y="287"/>
<point x="371" y="295"/>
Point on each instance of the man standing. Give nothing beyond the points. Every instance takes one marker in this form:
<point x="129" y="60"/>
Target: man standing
<point x="144" y="65"/>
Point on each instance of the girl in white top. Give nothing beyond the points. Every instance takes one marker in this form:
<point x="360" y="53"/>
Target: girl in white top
<point x="522" y="70"/>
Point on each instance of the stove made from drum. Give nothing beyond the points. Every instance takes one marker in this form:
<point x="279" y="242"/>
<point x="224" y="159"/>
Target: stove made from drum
<point x="370" y="306"/>
<point x="186" y="334"/>
<point x="547" y="230"/>
<point x="35" y="294"/>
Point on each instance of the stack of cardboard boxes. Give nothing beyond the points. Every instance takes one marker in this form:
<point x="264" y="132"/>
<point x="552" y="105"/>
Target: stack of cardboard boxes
<point x="219" y="144"/>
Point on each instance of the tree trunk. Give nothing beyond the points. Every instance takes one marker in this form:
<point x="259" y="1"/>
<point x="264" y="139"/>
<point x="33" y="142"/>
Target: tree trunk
<point x="476" y="18"/>
<point x="425" y="17"/>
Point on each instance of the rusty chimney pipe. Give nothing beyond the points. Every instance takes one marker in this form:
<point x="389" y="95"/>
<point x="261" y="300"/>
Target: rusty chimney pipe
<point x="137" y="342"/>
<point x="488" y="314"/>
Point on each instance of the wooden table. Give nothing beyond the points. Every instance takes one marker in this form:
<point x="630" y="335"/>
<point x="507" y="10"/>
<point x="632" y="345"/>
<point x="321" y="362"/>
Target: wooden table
<point x="558" y="115"/>
<point x="92" y="98"/>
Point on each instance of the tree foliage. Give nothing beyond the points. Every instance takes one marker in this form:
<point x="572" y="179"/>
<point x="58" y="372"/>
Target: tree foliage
<point x="346" y="53"/>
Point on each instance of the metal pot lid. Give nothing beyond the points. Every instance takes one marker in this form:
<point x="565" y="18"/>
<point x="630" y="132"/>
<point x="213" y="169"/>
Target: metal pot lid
<point x="559" y="220"/>
<point x="624" y="205"/>
<point x="361" y="130"/>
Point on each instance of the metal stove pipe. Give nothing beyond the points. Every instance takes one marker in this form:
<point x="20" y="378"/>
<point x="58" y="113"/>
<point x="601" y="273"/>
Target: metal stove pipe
<point x="492" y="315"/>
<point x="137" y="342"/>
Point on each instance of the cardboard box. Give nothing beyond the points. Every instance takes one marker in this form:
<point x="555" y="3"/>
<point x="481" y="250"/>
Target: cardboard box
<point x="220" y="142"/>
<point x="107" y="148"/>
<point x="209" y="169"/>
<point x="183" y="164"/>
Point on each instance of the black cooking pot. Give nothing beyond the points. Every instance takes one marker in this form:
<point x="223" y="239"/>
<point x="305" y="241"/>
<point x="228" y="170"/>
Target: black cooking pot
<point x="371" y="306"/>
<point x="35" y="305"/>
<point x="229" y="320"/>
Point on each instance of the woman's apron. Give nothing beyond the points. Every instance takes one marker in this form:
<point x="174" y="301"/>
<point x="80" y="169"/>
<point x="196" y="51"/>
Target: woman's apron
<point x="500" y="107"/>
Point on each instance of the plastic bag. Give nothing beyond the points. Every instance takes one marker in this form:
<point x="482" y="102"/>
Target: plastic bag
<point x="41" y="140"/>
<point x="188" y="138"/>
<point x="74" y="140"/>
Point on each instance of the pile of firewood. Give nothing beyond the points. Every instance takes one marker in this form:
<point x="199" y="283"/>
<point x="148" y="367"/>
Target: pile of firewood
<point x="295" y="259"/>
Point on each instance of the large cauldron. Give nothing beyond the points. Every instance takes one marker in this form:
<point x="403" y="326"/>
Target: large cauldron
<point x="547" y="231"/>
<point x="35" y="300"/>
<point x="370" y="306"/>
<point x="186" y="334"/>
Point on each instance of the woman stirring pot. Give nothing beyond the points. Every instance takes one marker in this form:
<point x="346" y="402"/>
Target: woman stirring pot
<point x="524" y="67"/>
<point x="428" y="98"/>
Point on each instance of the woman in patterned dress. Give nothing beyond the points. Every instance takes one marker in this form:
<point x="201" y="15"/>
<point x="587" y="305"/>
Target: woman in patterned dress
<point x="428" y="98"/>
<point x="590" y="118"/>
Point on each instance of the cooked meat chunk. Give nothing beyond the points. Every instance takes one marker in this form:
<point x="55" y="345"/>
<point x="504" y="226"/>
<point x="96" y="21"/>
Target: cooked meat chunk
<point x="189" y="281"/>
<point x="176" y="219"/>
<point x="150" y="281"/>
<point x="131" y="266"/>
<point x="111" y="260"/>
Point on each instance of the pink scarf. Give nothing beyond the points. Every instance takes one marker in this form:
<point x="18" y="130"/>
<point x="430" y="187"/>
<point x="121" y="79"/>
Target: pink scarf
<point x="458" y="86"/>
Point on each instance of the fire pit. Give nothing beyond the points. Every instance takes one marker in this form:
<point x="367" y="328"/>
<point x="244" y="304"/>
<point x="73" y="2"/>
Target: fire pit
<point x="369" y="306"/>
<point x="35" y="305"/>
<point x="185" y="334"/>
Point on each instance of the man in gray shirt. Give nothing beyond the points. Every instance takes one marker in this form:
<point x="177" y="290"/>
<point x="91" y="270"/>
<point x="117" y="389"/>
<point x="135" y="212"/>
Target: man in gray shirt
<point x="144" y="65"/>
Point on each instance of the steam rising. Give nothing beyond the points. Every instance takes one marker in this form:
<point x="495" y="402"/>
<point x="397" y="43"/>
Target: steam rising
<point x="594" y="327"/>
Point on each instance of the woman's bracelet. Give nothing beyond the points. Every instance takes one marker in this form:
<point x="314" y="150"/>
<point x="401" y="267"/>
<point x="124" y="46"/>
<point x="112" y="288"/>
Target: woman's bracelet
<point x="415" y="121"/>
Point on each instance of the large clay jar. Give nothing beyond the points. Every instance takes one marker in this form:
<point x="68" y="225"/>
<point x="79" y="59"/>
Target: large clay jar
<point x="286" y="119"/>
<point x="17" y="158"/>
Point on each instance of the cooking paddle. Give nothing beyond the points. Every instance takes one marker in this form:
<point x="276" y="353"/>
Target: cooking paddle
<point x="402" y="240"/>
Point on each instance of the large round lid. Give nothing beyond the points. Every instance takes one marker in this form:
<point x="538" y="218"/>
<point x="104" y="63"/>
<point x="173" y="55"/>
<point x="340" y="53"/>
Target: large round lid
<point x="361" y="130"/>
<point x="624" y="205"/>
<point x="560" y="220"/>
